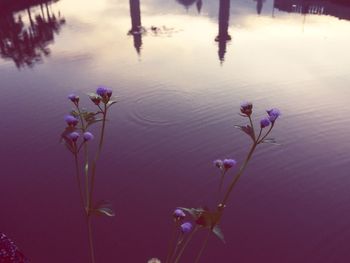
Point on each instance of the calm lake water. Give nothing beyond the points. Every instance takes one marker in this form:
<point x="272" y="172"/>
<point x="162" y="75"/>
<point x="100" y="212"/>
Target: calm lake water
<point x="179" y="84"/>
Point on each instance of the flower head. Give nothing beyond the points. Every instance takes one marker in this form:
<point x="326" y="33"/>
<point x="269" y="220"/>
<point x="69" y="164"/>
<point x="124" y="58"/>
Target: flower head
<point x="96" y="99"/>
<point x="88" y="136"/>
<point x="71" y="120"/>
<point x="74" y="98"/>
<point x="186" y="227"/>
<point x="73" y="136"/>
<point x="264" y="123"/>
<point x="109" y="92"/>
<point x="179" y="214"/>
<point x="218" y="163"/>
<point x="229" y="163"/>
<point x="247" y="108"/>
<point x="102" y="91"/>
<point x="273" y="114"/>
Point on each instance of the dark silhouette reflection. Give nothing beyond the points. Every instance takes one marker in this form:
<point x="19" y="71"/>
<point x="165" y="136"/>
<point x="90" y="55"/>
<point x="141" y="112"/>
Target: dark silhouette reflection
<point x="223" y="36"/>
<point x="259" y="5"/>
<point x="336" y="8"/>
<point x="27" y="44"/>
<point x="136" y="27"/>
<point x="199" y="6"/>
<point x="186" y="3"/>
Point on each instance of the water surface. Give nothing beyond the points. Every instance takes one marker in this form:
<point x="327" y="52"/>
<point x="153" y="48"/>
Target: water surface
<point x="179" y="84"/>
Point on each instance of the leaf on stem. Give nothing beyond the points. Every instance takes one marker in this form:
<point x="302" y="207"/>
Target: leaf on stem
<point x="246" y="129"/>
<point x="270" y="141"/>
<point x="217" y="231"/>
<point x="103" y="208"/>
<point x="110" y="103"/>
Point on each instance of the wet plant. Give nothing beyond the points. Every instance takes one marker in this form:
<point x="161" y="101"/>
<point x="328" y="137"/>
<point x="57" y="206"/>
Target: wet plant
<point x="78" y="139"/>
<point x="203" y="219"/>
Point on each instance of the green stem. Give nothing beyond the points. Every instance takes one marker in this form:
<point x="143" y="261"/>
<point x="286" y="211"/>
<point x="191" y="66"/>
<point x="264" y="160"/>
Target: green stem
<point x="205" y="242"/>
<point x="185" y="245"/>
<point x="171" y="242"/>
<point x="238" y="175"/>
<point x="91" y="243"/>
<point x="97" y="156"/>
<point x="267" y="133"/>
<point x="79" y="181"/>
<point x="251" y="124"/>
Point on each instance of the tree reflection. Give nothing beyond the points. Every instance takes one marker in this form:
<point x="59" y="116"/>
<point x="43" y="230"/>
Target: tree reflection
<point x="259" y="5"/>
<point x="336" y="8"/>
<point x="136" y="27"/>
<point x="223" y="36"/>
<point x="26" y="44"/>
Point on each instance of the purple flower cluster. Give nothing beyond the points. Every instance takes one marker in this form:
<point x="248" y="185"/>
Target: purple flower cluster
<point x="179" y="215"/>
<point x="74" y="136"/>
<point x="225" y="165"/>
<point x="264" y="122"/>
<point x="104" y="92"/>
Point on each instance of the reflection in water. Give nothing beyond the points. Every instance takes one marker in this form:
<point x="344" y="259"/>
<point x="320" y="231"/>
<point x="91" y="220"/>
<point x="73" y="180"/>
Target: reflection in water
<point x="188" y="3"/>
<point x="337" y="8"/>
<point x="259" y="5"/>
<point x="26" y="44"/>
<point x="136" y="27"/>
<point x="223" y="36"/>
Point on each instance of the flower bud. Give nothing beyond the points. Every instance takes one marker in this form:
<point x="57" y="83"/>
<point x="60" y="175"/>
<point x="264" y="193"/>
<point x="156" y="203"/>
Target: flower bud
<point x="74" y="98"/>
<point x="179" y="214"/>
<point x="218" y="163"/>
<point x="109" y="92"/>
<point x="71" y="120"/>
<point x="96" y="100"/>
<point x="186" y="227"/>
<point x="273" y="114"/>
<point x="264" y="123"/>
<point x="88" y="136"/>
<point x="229" y="163"/>
<point x="74" y="136"/>
<point x="247" y="108"/>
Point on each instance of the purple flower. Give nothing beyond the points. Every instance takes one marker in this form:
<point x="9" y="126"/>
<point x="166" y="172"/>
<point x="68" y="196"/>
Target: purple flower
<point x="109" y="92"/>
<point x="218" y="163"/>
<point x="179" y="214"/>
<point x="264" y="123"/>
<point x="74" y="98"/>
<point x="73" y="136"/>
<point x="247" y="108"/>
<point x="71" y="120"/>
<point x="88" y="136"/>
<point x="96" y="99"/>
<point x="103" y="91"/>
<point x="186" y="227"/>
<point x="273" y="114"/>
<point x="229" y="163"/>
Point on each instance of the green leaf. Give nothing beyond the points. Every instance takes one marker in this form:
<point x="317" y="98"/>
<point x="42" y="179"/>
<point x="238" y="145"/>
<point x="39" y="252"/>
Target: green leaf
<point x="103" y="208"/>
<point x="217" y="231"/>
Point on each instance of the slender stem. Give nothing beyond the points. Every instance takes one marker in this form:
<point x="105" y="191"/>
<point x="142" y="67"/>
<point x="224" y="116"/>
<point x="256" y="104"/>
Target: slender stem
<point x="240" y="172"/>
<point x="205" y="242"/>
<point x="267" y="133"/>
<point x="93" y="168"/>
<point x="252" y="125"/>
<point x="78" y="179"/>
<point x="185" y="245"/>
<point x="221" y="181"/>
<point x="171" y="242"/>
<point x="91" y="243"/>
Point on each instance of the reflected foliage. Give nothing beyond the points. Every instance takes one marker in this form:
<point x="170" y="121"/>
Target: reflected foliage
<point x="26" y="30"/>
<point x="223" y="36"/>
<point x="336" y="8"/>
